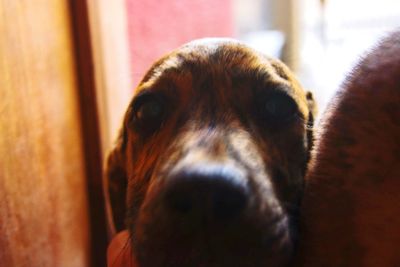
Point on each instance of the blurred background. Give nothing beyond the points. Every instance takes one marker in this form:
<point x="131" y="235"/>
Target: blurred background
<point x="318" y="39"/>
<point x="68" y="69"/>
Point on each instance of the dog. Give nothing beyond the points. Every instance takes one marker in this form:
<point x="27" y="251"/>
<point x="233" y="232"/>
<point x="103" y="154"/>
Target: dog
<point x="350" y="210"/>
<point x="209" y="166"/>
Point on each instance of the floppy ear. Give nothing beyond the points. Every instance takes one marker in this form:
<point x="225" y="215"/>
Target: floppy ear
<point x="115" y="186"/>
<point x="313" y="110"/>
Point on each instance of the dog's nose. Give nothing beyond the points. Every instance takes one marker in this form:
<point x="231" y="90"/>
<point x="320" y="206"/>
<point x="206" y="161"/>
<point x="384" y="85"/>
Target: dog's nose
<point x="215" y="193"/>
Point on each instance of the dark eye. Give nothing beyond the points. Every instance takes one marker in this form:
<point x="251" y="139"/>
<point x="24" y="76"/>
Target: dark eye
<point x="277" y="108"/>
<point x="148" y="113"/>
<point x="149" y="110"/>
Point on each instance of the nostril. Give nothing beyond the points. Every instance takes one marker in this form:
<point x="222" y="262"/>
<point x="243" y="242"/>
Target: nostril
<point x="228" y="201"/>
<point x="179" y="200"/>
<point x="216" y="196"/>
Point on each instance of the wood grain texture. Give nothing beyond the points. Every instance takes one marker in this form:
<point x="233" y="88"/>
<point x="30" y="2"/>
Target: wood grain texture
<point x="43" y="203"/>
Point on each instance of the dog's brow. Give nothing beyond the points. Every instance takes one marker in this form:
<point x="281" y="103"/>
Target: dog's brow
<point x="171" y="63"/>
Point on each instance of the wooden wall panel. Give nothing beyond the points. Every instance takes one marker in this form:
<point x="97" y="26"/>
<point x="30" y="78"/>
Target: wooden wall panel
<point x="43" y="202"/>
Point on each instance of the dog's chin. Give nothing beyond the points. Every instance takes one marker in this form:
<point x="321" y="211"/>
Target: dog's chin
<point x="222" y="245"/>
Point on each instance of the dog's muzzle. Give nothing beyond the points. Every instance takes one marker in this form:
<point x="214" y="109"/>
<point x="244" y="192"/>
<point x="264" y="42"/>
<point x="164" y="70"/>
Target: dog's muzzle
<point x="211" y="211"/>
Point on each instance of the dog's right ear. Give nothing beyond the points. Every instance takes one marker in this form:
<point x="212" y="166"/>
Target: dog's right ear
<point x="115" y="184"/>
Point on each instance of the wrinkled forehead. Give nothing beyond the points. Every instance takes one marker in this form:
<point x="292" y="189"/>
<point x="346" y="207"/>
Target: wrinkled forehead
<point x="219" y="60"/>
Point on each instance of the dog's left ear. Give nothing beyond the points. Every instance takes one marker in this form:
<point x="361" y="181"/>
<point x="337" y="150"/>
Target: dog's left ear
<point x="313" y="110"/>
<point x="115" y="184"/>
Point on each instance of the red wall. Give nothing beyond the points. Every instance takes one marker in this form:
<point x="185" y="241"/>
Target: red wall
<point x="158" y="26"/>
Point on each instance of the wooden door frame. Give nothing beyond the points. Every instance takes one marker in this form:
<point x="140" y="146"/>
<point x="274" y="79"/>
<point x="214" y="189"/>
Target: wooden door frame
<point x="92" y="142"/>
<point x="101" y="49"/>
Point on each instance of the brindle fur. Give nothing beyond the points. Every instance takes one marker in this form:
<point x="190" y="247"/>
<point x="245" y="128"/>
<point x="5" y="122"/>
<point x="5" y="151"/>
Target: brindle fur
<point x="212" y="89"/>
<point x="350" y="214"/>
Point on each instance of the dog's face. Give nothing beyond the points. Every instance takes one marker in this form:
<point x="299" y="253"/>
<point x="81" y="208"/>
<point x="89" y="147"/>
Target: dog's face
<point x="209" y="167"/>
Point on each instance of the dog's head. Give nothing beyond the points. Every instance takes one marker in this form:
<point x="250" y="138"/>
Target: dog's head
<point x="209" y="166"/>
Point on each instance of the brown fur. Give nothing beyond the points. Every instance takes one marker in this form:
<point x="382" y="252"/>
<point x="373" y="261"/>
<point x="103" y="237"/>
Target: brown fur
<point x="350" y="214"/>
<point x="213" y="95"/>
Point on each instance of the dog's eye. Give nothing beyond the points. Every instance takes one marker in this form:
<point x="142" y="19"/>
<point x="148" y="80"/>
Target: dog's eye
<point x="277" y="108"/>
<point x="149" y="110"/>
<point x="280" y="106"/>
<point x="148" y="113"/>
